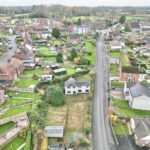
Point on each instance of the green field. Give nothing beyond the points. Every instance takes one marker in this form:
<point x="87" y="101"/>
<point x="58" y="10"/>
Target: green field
<point x="44" y="51"/>
<point x="117" y="84"/>
<point x="120" y="103"/>
<point x="14" y="144"/>
<point x="90" y="48"/>
<point x="17" y="110"/>
<point x="5" y="127"/>
<point x="25" y="82"/>
<point x="131" y="17"/>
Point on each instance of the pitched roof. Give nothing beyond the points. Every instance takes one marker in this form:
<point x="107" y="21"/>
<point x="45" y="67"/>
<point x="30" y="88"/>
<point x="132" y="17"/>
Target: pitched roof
<point x="54" y="131"/>
<point x="142" y="127"/>
<point x="72" y="82"/>
<point x="137" y="89"/>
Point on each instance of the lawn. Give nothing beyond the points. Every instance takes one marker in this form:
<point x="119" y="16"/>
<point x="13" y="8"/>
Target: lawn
<point x="44" y="51"/>
<point x="14" y="144"/>
<point x="5" y="127"/>
<point x="17" y="110"/>
<point x="117" y="84"/>
<point x="35" y="71"/>
<point x="114" y="69"/>
<point x="115" y="53"/>
<point x="134" y="17"/>
<point x="125" y="60"/>
<point x="90" y="49"/>
<point x="18" y="98"/>
<point x="70" y="71"/>
<point x="53" y="59"/>
<point x="121" y="129"/>
<point x="133" y="112"/>
<point x="25" y="82"/>
<point x="120" y="103"/>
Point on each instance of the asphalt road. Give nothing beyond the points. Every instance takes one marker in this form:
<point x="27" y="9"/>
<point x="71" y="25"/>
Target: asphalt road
<point x="100" y="125"/>
<point x="10" y="52"/>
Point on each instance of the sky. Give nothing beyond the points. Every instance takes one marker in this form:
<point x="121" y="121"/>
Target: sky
<point x="76" y="2"/>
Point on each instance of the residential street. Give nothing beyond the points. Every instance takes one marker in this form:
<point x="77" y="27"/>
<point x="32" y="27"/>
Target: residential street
<point x="100" y="127"/>
<point x="10" y="52"/>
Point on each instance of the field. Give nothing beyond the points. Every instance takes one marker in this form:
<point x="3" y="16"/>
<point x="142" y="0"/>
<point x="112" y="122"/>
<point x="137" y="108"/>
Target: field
<point x="134" y="17"/>
<point x="44" y="51"/>
<point x="5" y="127"/>
<point x="14" y="144"/>
<point x="117" y="84"/>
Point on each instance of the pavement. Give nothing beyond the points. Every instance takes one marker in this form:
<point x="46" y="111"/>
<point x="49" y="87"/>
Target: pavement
<point x="10" y="52"/>
<point x="101" y="134"/>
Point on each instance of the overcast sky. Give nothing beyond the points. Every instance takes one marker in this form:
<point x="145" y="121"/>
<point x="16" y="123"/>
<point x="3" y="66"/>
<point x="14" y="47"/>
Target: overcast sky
<point x="76" y="2"/>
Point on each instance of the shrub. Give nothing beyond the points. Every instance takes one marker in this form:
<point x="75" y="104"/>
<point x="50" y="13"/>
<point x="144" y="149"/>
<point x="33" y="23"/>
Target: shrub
<point x="28" y="141"/>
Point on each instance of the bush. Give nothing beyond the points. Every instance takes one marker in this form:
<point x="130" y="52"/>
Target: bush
<point x="87" y="130"/>
<point x="84" y="143"/>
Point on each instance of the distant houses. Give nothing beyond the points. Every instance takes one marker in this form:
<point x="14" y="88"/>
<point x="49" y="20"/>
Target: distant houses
<point x="72" y="86"/>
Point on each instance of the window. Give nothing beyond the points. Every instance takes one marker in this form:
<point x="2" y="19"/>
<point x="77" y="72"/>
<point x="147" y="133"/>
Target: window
<point x="79" y="90"/>
<point x="87" y="91"/>
<point x="68" y="92"/>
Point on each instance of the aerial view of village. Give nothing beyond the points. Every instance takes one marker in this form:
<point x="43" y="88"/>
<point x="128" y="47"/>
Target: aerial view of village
<point x="74" y="77"/>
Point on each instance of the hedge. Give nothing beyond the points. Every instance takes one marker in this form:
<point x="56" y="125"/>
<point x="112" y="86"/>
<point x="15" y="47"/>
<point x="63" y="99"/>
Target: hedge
<point x="28" y="141"/>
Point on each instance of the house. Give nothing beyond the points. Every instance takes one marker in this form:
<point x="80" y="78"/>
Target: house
<point x="117" y="45"/>
<point x="2" y="96"/>
<point x="54" y="131"/>
<point x="141" y="130"/>
<point x="10" y="71"/>
<point x="83" y="29"/>
<point x="76" y="87"/>
<point x="45" y="34"/>
<point x="138" y="95"/>
<point x="46" y="77"/>
<point x="129" y="73"/>
<point x="135" y="26"/>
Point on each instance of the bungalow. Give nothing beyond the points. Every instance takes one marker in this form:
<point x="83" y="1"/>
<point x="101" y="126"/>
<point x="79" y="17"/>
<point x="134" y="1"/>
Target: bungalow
<point x="138" y="95"/>
<point x="135" y="26"/>
<point x="129" y="74"/>
<point x="54" y="131"/>
<point x="2" y="96"/>
<point x="45" y="34"/>
<point x="141" y="129"/>
<point x="76" y="87"/>
<point x="117" y="45"/>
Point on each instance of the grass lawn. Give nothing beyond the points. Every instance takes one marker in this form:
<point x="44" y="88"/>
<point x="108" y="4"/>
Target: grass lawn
<point x="70" y="71"/>
<point x="18" y="98"/>
<point x="44" y="51"/>
<point x="125" y="60"/>
<point x="14" y="144"/>
<point x="115" y="53"/>
<point x="90" y="48"/>
<point x="134" y="17"/>
<point x="117" y="84"/>
<point x="26" y="82"/>
<point x="17" y="110"/>
<point x="121" y="129"/>
<point x="114" y="69"/>
<point x="133" y="112"/>
<point x="5" y="127"/>
<point x="120" y="103"/>
<point x="49" y="59"/>
<point x="35" y="71"/>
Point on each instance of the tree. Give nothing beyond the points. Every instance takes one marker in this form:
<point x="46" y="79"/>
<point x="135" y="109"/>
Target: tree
<point x="57" y="98"/>
<point x="79" y="22"/>
<point x="56" y="33"/>
<point x="59" y="58"/>
<point x="73" y="54"/>
<point x="127" y="28"/>
<point x="122" y="19"/>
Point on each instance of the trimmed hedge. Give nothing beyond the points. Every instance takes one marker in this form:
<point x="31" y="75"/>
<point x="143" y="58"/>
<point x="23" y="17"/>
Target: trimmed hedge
<point x="28" y="141"/>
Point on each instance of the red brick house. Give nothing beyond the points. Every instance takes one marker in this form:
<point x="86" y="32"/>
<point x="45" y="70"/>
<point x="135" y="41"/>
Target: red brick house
<point x="129" y="74"/>
<point x="10" y="71"/>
